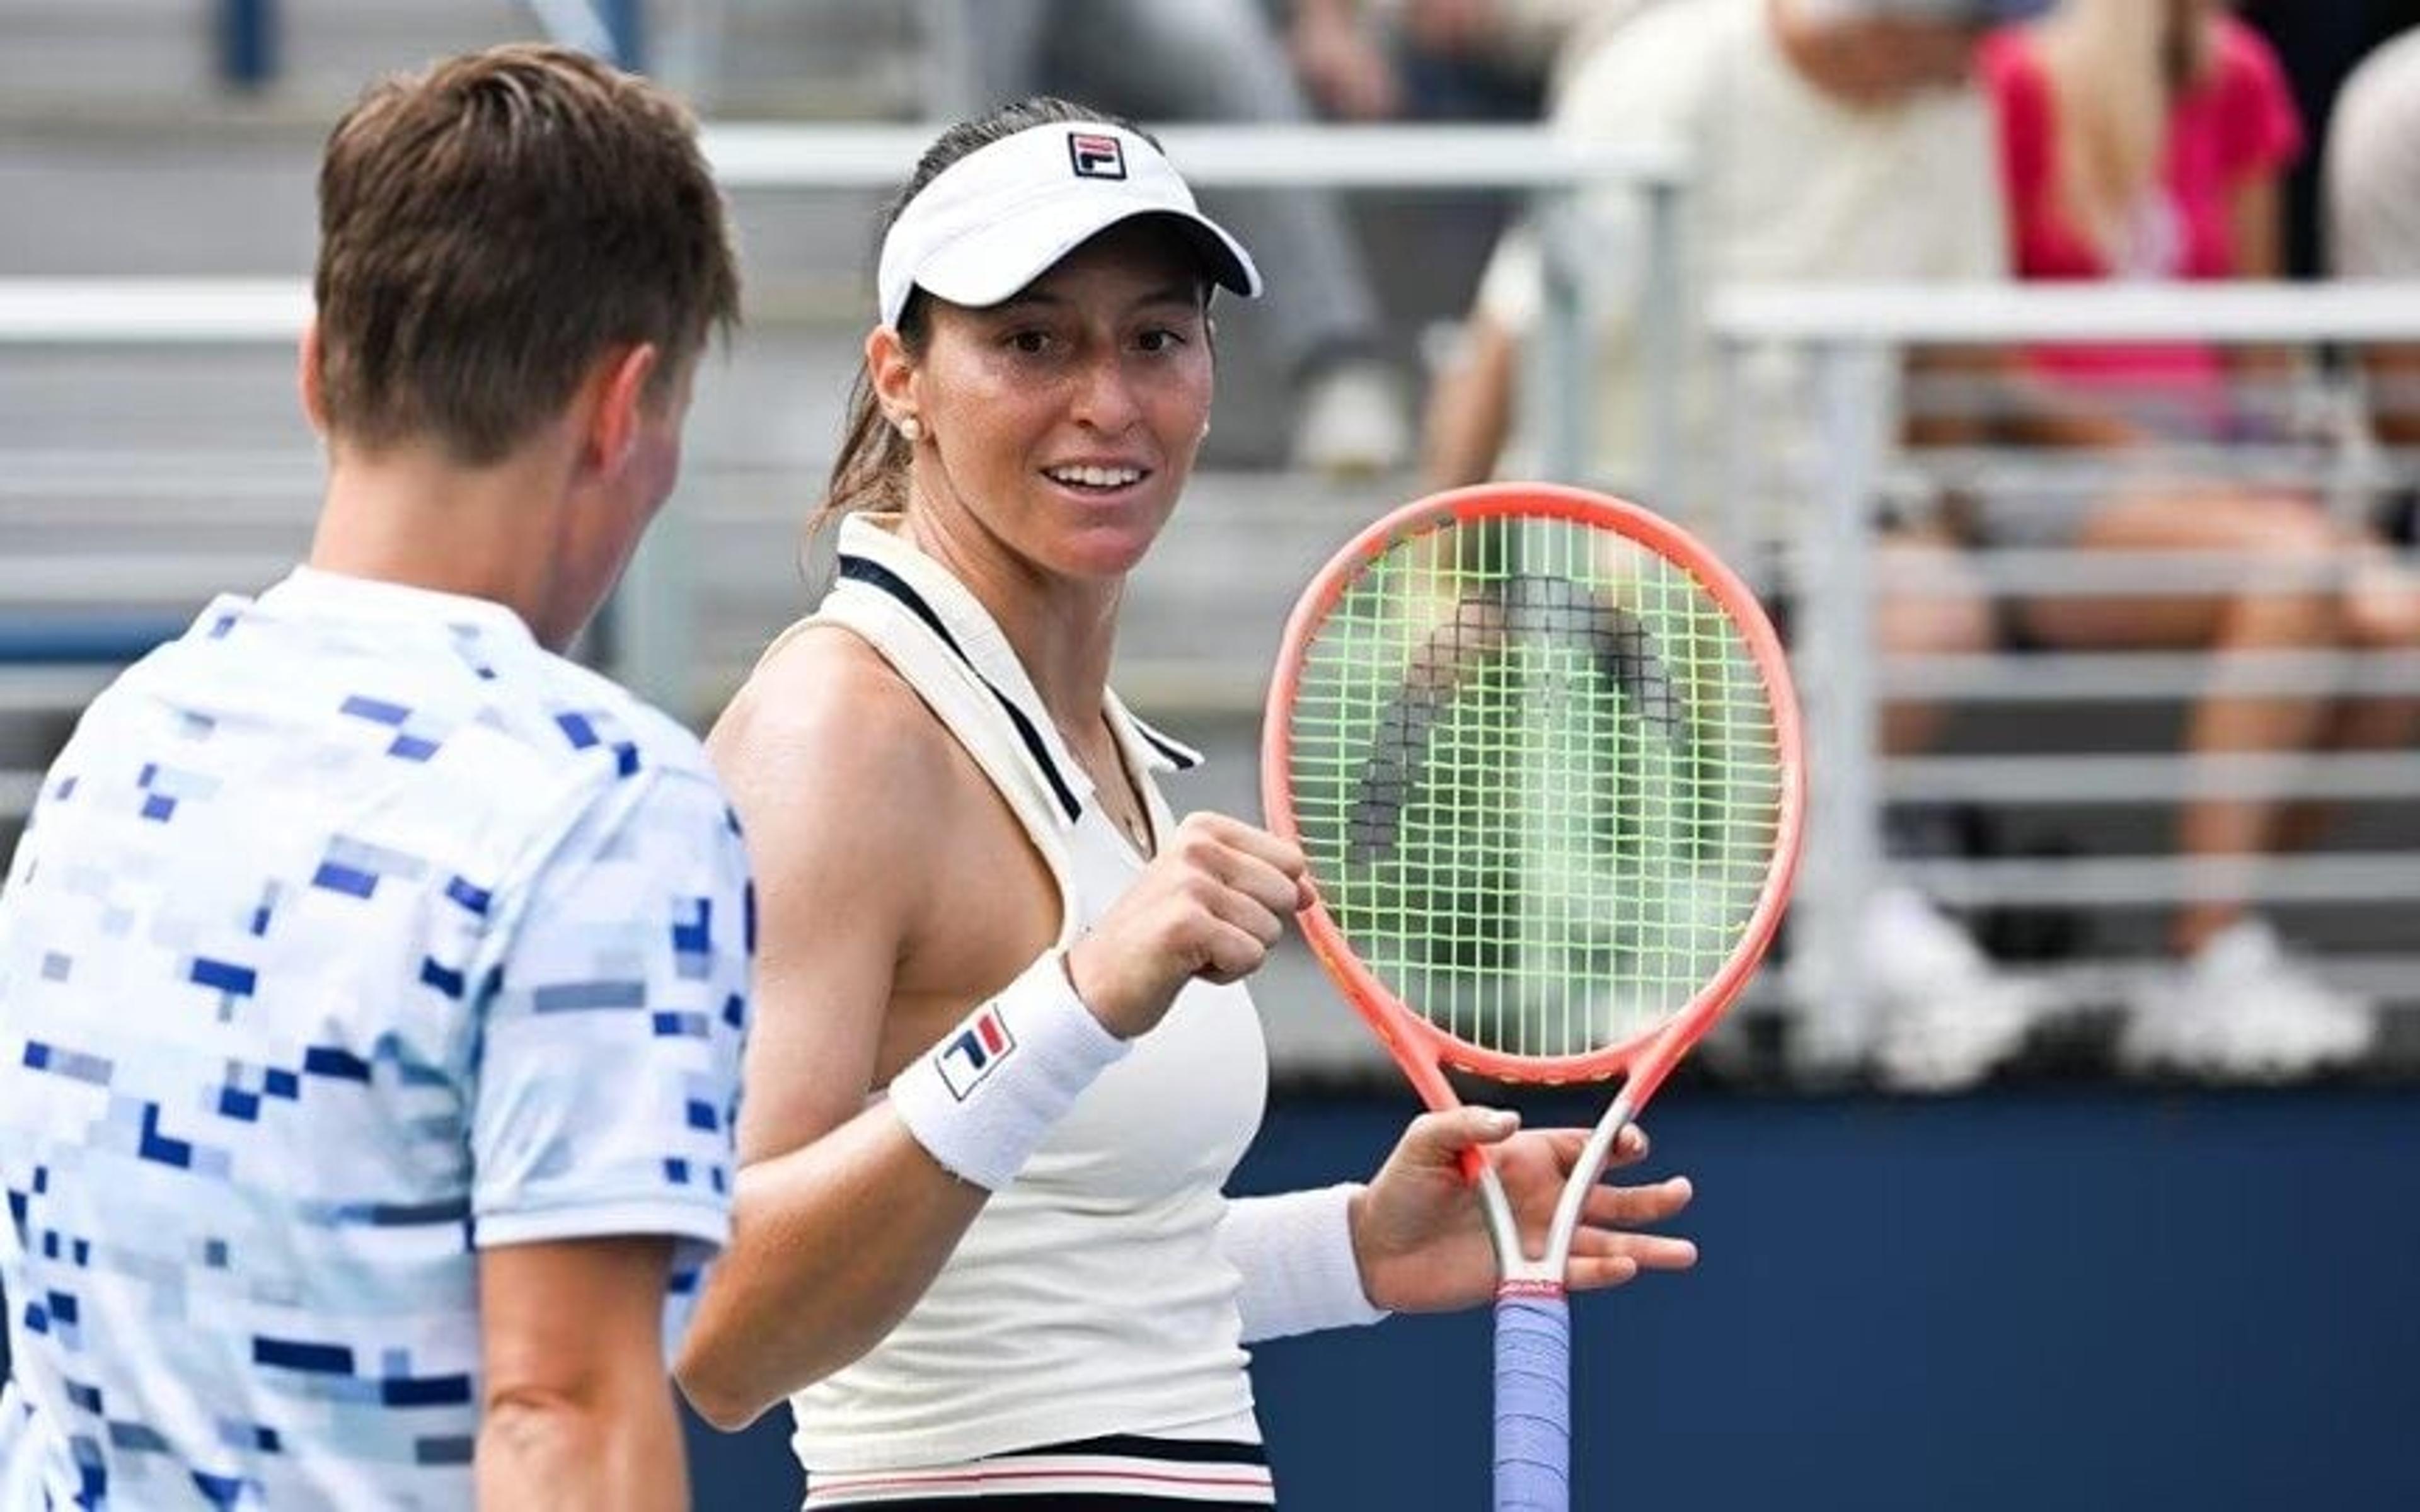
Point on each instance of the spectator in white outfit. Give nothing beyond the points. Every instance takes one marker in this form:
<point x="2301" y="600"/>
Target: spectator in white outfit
<point x="2372" y="184"/>
<point x="1827" y="140"/>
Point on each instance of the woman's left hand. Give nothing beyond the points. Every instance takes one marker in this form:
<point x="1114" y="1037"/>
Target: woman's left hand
<point x="1421" y="1241"/>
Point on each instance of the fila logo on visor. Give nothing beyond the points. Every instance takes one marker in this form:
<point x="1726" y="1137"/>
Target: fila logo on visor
<point x="970" y="1056"/>
<point x="1096" y="156"/>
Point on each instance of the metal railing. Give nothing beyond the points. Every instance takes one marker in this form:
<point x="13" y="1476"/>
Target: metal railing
<point x="654" y="647"/>
<point x="654" y="640"/>
<point x="1853" y="339"/>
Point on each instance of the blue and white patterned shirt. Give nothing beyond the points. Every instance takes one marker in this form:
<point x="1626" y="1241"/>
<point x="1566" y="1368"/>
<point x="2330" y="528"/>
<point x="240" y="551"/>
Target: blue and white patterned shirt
<point x="353" y="933"/>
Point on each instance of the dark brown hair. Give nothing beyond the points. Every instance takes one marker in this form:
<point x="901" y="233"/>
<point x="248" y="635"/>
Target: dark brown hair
<point x="491" y="225"/>
<point x="871" y="472"/>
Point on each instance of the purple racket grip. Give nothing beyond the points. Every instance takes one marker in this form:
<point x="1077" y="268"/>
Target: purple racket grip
<point x="1533" y="1399"/>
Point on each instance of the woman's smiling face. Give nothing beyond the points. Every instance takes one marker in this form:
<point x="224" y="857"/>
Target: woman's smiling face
<point x="1066" y="418"/>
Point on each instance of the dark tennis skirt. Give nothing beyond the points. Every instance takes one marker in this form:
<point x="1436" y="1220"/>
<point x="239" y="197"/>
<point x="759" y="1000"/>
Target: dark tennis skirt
<point x="1107" y="1474"/>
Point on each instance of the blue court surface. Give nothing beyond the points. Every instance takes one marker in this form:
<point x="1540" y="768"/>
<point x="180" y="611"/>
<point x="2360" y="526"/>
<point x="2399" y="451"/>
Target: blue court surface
<point x="2065" y="1297"/>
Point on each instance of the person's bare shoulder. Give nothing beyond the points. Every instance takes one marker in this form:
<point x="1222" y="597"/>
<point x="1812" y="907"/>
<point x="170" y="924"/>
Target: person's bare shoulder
<point x="837" y="768"/>
<point x="824" y="712"/>
<point x="843" y="784"/>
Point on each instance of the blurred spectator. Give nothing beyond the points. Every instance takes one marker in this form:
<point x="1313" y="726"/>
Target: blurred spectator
<point x="2319" y="42"/>
<point x="1212" y="60"/>
<point x="2145" y="141"/>
<point x="2373" y="199"/>
<point x="1827" y="140"/>
<point x="1442" y="59"/>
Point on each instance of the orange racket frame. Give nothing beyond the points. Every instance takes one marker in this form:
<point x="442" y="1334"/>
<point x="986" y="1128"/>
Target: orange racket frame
<point x="1532" y="1323"/>
<point x="1421" y="1048"/>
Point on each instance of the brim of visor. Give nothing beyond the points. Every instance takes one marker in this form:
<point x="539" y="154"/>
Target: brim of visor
<point x="984" y="269"/>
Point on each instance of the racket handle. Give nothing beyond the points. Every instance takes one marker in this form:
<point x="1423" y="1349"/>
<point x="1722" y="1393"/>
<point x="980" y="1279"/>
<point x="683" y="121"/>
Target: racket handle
<point x="1533" y="1401"/>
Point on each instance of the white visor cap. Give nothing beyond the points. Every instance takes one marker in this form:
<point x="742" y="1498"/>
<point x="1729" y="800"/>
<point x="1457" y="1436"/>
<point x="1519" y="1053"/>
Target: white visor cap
<point x="999" y="217"/>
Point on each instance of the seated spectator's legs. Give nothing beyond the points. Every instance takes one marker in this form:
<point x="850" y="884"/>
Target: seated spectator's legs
<point x="2241" y="1004"/>
<point x="2289" y="532"/>
<point x="2393" y="377"/>
<point x="1469" y="414"/>
<point x="1949" y="618"/>
<point x="2381" y="610"/>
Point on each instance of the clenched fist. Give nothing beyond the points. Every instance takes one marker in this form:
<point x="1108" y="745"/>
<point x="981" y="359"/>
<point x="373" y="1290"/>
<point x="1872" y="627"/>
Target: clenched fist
<point x="1209" y="905"/>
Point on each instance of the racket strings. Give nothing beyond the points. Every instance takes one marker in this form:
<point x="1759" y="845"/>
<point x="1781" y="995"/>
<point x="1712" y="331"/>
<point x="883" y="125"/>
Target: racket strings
<point x="1537" y="773"/>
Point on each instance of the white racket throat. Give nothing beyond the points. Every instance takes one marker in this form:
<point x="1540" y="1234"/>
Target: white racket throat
<point x="1551" y="1267"/>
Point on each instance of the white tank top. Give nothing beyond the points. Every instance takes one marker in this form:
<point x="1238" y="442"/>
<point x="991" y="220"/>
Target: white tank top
<point x="1090" y="1297"/>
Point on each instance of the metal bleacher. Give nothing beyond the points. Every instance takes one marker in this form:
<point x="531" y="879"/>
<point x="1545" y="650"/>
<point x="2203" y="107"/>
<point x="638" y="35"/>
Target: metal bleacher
<point x="149" y="458"/>
<point x="152" y="453"/>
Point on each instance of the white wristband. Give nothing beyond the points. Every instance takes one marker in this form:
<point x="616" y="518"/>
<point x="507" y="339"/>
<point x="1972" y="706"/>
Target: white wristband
<point x="1295" y="1253"/>
<point x="985" y="1097"/>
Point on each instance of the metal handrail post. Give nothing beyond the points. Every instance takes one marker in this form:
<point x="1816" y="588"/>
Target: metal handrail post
<point x="1559" y="362"/>
<point x="1836" y="654"/>
<point x="1662" y="352"/>
<point x="1734" y="518"/>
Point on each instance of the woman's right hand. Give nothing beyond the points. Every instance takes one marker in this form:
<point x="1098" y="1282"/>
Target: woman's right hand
<point x="1209" y="905"/>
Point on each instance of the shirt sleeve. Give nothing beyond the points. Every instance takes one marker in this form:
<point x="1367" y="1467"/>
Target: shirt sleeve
<point x="607" y="1079"/>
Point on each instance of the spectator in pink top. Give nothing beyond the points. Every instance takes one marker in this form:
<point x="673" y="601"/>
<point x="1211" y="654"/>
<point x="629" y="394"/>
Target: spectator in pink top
<point x="2145" y="139"/>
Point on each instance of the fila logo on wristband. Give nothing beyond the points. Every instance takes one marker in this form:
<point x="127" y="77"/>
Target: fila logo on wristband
<point x="976" y="1053"/>
<point x="1096" y="157"/>
<point x="984" y="1099"/>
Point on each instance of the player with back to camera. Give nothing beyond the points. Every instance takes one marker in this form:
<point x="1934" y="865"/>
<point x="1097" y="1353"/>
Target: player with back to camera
<point x="372" y="978"/>
<point x="1005" y="1061"/>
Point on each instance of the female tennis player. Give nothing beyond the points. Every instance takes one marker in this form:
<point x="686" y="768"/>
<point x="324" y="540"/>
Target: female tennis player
<point x="1004" y="1060"/>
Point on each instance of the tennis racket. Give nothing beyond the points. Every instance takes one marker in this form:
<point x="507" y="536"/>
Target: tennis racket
<point x="1541" y="751"/>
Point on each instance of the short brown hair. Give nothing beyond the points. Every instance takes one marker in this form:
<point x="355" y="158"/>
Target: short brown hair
<point x="493" y="224"/>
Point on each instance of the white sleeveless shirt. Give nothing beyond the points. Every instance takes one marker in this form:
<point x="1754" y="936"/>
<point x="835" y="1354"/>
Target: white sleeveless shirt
<point x="1090" y="1296"/>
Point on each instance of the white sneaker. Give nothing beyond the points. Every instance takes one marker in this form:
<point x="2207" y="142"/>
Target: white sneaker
<point x="1946" y="1015"/>
<point x="1354" y="421"/>
<point x="2241" y="1008"/>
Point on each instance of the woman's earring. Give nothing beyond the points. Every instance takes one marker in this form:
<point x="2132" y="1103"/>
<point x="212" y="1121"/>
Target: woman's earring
<point x="911" y="429"/>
